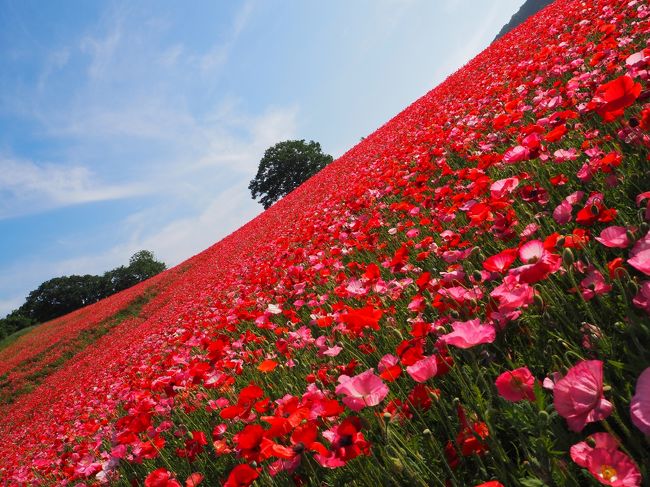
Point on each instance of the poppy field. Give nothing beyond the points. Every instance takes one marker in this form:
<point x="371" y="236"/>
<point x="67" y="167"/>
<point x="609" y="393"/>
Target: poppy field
<point x="462" y="299"/>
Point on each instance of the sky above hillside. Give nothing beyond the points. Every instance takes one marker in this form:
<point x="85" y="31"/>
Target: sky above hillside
<point x="138" y="125"/>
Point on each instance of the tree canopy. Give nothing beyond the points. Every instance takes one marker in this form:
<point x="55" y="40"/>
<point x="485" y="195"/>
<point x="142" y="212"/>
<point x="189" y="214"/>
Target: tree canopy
<point x="284" y="167"/>
<point x="61" y="295"/>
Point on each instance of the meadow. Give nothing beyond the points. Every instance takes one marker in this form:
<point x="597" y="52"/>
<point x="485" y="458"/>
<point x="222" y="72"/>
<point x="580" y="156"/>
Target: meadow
<point x="463" y="298"/>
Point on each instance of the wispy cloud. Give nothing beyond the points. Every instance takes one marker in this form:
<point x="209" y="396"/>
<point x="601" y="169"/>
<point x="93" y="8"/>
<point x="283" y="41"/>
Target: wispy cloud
<point x="226" y="155"/>
<point x="27" y="187"/>
<point x="171" y="55"/>
<point x="55" y="61"/>
<point x="218" y="55"/>
<point x="201" y="196"/>
<point x="134" y="104"/>
<point x="102" y="49"/>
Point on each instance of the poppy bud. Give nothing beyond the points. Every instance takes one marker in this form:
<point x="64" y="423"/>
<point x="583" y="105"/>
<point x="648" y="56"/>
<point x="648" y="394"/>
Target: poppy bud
<point x="630" y="235"/>
<point x="643" y="228"/>
<point x="427" y="432"/>
<point x="539" y="302"/>
<point x="544" y="417"/>
<point x="567" y="257"/>
<point x="560" y="242"/>
<point x="477" y="275"/>
<point x="397" y="463"/>
<point x="487" y="415"/>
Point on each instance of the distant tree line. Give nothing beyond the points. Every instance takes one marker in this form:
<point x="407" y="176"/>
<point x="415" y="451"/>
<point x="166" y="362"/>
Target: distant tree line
<point x="530" y="7"/>
<point x="62" y="295"/>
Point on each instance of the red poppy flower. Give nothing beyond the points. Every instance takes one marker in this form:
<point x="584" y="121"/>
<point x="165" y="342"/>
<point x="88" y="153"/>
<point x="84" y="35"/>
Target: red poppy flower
<point x="616" y="96"/>
<point x="241" y="476"/>
<point x="161" y="478"/>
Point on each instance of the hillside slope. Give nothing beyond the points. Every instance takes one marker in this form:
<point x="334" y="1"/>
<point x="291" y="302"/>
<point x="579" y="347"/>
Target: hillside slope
<point x="392" y="320"/>
<point x="529" y="7"/>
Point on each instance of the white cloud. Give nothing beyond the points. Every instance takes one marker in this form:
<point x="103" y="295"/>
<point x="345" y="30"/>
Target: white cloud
<point x="192" y="184"/>
<point x="185" y="237"/>
<point x="226" y="154"/>
<point x="171" y="55"/>
<point x="218" y="55"/>
<point x="26" y="187"/>
<point x="146" y="118"/>
<point x="223" y="148"/>
<point x="102" y="50"/>
<point x="55" y="61"/>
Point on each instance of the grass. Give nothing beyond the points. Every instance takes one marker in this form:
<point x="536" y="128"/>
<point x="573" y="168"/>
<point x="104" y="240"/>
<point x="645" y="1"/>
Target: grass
<point x="8" y="340"/>
<point x="70" y="349"/>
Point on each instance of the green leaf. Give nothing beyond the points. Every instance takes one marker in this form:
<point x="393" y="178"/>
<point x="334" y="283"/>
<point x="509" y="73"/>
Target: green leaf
<point x="532" y="482"/>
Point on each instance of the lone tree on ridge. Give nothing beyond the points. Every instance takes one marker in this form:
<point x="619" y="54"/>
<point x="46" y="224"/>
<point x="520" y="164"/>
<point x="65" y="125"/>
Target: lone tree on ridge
<point x="284" y="167"/>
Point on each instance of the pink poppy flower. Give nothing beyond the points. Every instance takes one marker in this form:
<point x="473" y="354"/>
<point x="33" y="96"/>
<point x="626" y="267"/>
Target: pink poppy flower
<point x="461" y="294"/>
<point x="502" y="187"/>
<point x="532" y="251"/>
<point x="516" y="385"/>
<point x="563" y="155"/>
<point x="513" y="293"/>
<point x="637" y="60"/>
<point x="641" y="254"/>
<point x="356" y="288"/>
<point x="468" y="334"/>
<point x="640" y="198"/>
<point x="575" y="197"/>
<point x="580" y="451"/>
<point x="640" y="405"/>
<point x="562" y="212"/>
<point x="605" y="461"/>
<point x="516" y="154"/>
<point x="614" y="236"/>
<point x="613" y="467"/>
<point x="365" y="389"/>
<point x="332" y="351"/>
<point x="578" y="397"/>
<point x="642" y="299"/>
<point x="424" y="369"/>
<point x="387" y="361"/>
<point x="529" y="230"/>
<point x="594" y="284"/>
<point x="539" y="262"/>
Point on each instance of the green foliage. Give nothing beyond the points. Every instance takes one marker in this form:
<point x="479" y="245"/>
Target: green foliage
<point x="62" y="295"/>
<point x="13" y="323"/>
<point x="142" y="266"/>
<point x="284" y="167"/>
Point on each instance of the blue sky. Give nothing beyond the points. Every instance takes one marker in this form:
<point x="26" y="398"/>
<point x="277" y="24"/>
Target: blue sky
<point x="138" y="125"/>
